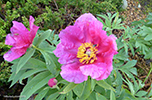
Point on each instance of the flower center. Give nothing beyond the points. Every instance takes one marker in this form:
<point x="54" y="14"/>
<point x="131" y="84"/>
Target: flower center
<point x="87" y="53"/>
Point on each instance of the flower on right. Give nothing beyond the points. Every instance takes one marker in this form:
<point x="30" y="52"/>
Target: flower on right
<point x="85" y="50"/>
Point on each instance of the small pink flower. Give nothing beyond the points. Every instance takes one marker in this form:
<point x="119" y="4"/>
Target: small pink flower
<point x="85" y="50"/>
<point x="52" y="82"/>
<point x="20" y="38"/>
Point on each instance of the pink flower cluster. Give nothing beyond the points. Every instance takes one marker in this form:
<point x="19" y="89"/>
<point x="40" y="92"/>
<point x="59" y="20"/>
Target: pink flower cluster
<point x="20" y="38"/>
<point x="85" y="50"/>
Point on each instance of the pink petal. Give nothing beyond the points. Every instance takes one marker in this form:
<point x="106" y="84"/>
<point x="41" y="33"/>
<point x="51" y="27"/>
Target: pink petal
<point x="71" y="37"/>
<point x="52" y="82"/>
<point x="66" y="56"/>
<point x="113" y="43"/>
<point x="14" y="53"/>
<point x="85" y="19"/>
<point x="9" y="40"/>
<point x="72" y="73"/>
<point x="20" y="33"/>
<point x="33" y="29"/>
<point x="106" y="73"/>
<point x="93" y="70"/>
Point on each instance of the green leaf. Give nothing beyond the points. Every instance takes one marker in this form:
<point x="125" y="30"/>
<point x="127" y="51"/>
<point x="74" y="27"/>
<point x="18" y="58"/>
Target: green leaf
<point x="121" y="55"/>
<point x="36" y="83"/>
<point x="31" y="72"/>
<point x="148" y="54"/>
<point x="150" y="92"/>
<point x="112" y="96"/>
<point x="33" y="66"/>
<point x="129" y="64"/>
<point x="15" y="77"/>
<point x="78" y="89"/>
<point x="51" y="62"/>
<point x="42" y="93"/>
<point x="61" y="97"/>
<point x="86" y="90"/>
<point x="68" y="88"/>
<point x="105" y="85"/>
<point x="132" y="49"/>
<point x="133" y="70"/>
<point x="126" y="47"/>
<point x="92" y="96"/>
<point x="53" y="96"/>
<point x="100" y="97"/>
<point x="148" y="37"/>
<point x="69" y="96"/>
<point x="44" y="35"/>
<point x="141" y="93"/>
<point x="93" y="83"/>
<point x="24" y="59"/>
<point x="145" y="30"/>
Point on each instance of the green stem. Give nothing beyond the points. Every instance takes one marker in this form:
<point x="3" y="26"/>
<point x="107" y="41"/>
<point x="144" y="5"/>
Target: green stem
<point x="36" y="47"/>
<point x="148" y="73"/>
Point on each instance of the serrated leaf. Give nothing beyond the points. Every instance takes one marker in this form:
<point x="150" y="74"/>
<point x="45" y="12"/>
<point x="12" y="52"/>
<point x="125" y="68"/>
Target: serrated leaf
<point x="24" y="59"/>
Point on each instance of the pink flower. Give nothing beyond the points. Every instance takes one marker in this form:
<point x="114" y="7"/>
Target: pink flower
<point x="20" y="38"/>
<point x="85" y="50"/>
<point x="52" y="82"/>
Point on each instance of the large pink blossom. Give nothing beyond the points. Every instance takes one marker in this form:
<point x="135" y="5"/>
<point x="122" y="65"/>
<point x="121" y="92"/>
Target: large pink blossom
<point x="20" y="39"/>
<point x="85" y="50"/>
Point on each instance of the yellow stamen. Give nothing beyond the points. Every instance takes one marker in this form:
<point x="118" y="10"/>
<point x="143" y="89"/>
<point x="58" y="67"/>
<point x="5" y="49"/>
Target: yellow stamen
<point x="87" y="53"/>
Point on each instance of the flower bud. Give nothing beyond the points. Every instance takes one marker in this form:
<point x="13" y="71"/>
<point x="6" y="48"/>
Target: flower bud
<point x="52" y="82"/>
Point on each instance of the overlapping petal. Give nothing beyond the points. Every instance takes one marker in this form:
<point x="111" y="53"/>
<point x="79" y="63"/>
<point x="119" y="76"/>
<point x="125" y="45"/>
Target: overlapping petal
<point x="87" y="29"/>
<point x="20" y="38"/>
<point x="72" y="73"/>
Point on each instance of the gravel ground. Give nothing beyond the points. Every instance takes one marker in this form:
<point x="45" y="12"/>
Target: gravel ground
<point x="133" y="12"/>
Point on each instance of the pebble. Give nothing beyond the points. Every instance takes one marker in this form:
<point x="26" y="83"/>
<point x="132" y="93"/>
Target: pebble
<point x="133" y="12"/>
